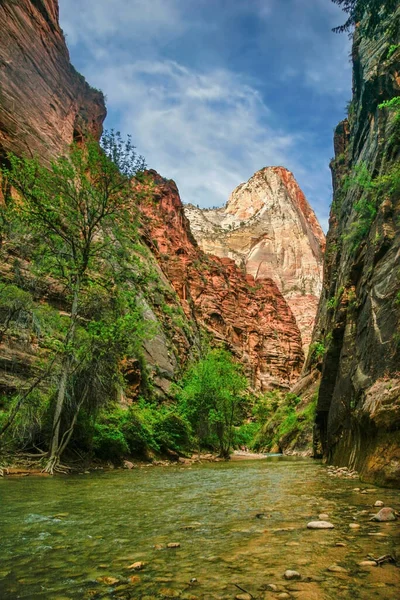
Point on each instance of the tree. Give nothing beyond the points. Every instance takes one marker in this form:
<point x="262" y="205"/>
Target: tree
<point x="210" y="396"/>
<point x="377" y="10"/>
<point x="79" y="212"/>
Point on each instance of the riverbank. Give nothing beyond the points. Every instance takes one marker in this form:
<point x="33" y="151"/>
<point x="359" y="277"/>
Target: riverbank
<point x="18" y="468"/>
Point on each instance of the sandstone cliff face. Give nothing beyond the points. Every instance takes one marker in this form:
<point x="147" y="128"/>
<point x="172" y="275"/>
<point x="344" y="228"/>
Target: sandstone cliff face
<point x="358" y="326"/>
<point x="250" y="317"/>
<point x="44" y="105"/>
<point x="269" y="229"/>
<point x="44" y="102"/>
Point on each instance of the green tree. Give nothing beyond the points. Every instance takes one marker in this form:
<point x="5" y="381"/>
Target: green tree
<point x="376" y="10"/>
<point x="80" y="211"/>
<point x="210" y="395"/>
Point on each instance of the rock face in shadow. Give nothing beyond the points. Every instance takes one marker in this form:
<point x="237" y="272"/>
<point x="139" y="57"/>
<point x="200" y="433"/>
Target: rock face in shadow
<point x="358" y="323"/>
<point x="45" y="103"/>
<point x="249" y="317"/>
<point x="268" y="228"/>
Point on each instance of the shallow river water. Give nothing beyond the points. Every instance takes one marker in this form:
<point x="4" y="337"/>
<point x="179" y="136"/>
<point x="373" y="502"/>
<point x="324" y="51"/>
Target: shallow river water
<point x="75" y="537"/>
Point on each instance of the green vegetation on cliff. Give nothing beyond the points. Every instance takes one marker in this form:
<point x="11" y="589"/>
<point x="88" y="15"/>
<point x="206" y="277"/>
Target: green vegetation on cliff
<point x="72" y="229"/>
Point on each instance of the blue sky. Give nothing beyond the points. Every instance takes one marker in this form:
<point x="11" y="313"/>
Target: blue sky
<point x="213" y="90"/>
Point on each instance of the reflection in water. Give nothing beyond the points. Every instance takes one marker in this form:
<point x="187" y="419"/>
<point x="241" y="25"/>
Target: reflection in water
<point x="238" y="523"/>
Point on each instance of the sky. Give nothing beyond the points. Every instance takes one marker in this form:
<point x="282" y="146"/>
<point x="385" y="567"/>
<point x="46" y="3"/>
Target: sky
<point x="214" y="90"/>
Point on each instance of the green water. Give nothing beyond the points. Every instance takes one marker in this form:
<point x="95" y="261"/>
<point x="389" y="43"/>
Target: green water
<point x="60" y="536"/>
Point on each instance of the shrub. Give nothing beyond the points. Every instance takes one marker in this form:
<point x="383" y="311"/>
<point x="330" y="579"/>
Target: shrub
<point x="109" y="442"/>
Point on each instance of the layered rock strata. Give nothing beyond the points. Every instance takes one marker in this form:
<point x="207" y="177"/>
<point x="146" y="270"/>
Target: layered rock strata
<point x="268" y="228"/>
<point x="250" y="317"/>
<point x="45" y="103"/>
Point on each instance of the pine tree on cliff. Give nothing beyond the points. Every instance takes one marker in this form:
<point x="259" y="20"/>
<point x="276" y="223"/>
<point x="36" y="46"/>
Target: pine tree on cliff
<point x="377" y="10"/>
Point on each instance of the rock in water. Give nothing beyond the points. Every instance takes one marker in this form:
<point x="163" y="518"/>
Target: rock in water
<point x="379" y="503"/>
<point x="337" y="569"/>
<point x="291" y="574"/>
<point x="320" y="525"/>
<point x="385" y="514"/>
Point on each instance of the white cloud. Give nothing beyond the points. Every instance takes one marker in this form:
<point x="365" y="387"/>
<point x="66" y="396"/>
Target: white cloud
<point x="209" y="131"/>
<point x="202" y="122"/>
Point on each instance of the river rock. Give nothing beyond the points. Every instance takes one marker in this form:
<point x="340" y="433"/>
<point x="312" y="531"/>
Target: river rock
<point x="173" y="545"/>
<point x="323" y="517"/>
<point x="128" y="464"/>
<point x="271" y="587"/>
<point x="243" y="597"/>
<point x="385" y="514"/>
<point x="283" y="595"/>
<point x="108" y="580"/>
<point x="320" y="525"/>
<point x="368" y="563"/>
<point x="354" y="526"/>
<point x="288" y="574"/>
<point x="137" y="566"/>
<point x="379" y="503"/>
<point x="337" y="569"/>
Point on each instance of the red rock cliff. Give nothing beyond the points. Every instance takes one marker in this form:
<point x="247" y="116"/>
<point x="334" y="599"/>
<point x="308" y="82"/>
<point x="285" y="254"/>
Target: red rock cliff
<point x="250" y="317"/>
<point x="44" y="102"/>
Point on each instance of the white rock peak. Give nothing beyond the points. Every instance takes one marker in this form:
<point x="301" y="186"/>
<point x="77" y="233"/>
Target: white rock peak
<point x="268" y="228"/>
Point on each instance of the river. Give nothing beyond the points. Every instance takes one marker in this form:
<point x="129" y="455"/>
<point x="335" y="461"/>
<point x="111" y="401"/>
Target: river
<point x="240" y="523"/>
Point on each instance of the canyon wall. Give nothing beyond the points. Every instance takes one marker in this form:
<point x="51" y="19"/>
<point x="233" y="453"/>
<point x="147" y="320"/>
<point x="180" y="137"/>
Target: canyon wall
<point x="44" y="102"/>
<point x="357" y="335"/>
<point x="268" y="228"/>
<point x="44" y="105"/>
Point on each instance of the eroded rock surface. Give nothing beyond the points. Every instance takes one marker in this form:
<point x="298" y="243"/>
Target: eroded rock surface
<point x="358" y="326"/>
<point x="268" y="228"/>
<point x="251" y="317"/>
<point x="44" y="102"/>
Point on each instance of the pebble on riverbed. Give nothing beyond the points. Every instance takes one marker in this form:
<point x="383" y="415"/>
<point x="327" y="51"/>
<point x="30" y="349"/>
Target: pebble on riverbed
<point x="320" y="525"/>
<point x="137" y="566"/>
<point x="379" y="504"/>
<point x="342" y="472"/>
<point x="337" y="569"/>
<point x="288" y="574"/>
<point x="173" y="545"/>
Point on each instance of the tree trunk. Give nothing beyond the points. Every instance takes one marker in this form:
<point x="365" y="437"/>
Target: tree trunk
<point x="54" y="452"/>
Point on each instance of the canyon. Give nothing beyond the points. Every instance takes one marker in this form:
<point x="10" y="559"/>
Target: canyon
<point x="246" y="276"/>
<point x="45" y="106"/>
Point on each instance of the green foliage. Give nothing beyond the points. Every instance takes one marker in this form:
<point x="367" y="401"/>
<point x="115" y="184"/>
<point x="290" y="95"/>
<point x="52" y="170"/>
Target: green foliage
<point x="209" y="396"/>
<point x="317" y="351"/>
<point x="286" y="421"/>
<point x="77" y="221"/>
<point x="143" y="427"/>
<point x="392" y="49"/>
<point x="374" y="11"/>
<point x="373" y="191"/>
<point x="394" y="103"/>
<point x="109" y="442"/>
<point x="245" y="434"/>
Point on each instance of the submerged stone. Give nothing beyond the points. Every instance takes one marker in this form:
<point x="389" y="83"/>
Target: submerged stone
<point x="384" y="515"/>
<point x="291" y="574"/>
<point x="320" y="525"/>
